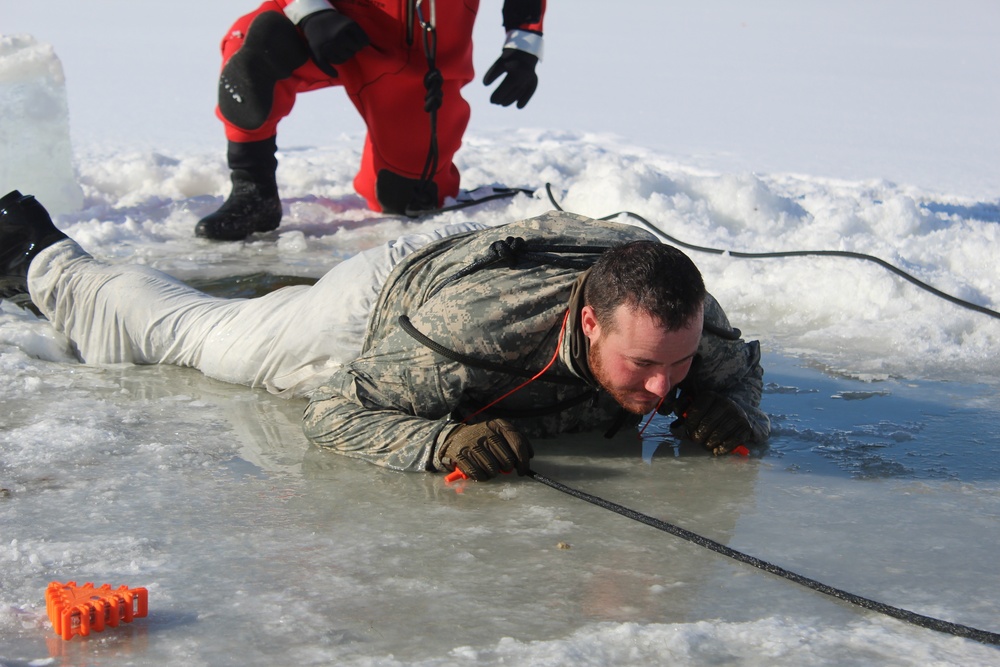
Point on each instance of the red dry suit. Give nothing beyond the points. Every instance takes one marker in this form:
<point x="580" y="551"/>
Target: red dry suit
<point x="385" y="81"/>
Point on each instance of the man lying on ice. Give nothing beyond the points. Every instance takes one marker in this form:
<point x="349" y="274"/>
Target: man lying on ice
<point x="435" y="351"/>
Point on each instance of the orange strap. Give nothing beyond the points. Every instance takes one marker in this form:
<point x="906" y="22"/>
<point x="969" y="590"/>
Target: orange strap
<point x="562" y="333"/>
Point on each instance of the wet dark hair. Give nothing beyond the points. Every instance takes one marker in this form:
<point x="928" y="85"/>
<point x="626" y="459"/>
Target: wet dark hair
<point x="647" y="276"/>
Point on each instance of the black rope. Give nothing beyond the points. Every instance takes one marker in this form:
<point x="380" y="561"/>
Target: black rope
<point x="473" y="362"/>
<point x="514" y="249"/>
<point x="499" y="193"/>
<point x="423" y="193"/>
<point x="796" y="253"/>
<point x="928" y="622"/>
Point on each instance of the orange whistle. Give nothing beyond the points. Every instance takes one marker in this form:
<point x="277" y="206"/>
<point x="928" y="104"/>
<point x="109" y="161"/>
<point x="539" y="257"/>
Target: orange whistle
<point x="456" y="475"/>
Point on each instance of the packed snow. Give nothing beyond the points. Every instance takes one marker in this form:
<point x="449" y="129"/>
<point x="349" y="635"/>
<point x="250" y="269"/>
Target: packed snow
<point x="735" y="127"/>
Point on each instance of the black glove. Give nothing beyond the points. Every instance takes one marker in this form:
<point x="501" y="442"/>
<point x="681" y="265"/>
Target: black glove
<point x="713" y="421"/>
<point x="483" y="450"/>
<point x="519" y="84"/>
<point x="332" y="38"/>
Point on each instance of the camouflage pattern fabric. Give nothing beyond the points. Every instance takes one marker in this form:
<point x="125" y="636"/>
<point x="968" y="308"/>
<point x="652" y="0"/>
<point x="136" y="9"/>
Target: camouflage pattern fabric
<point x="394" y="404"/>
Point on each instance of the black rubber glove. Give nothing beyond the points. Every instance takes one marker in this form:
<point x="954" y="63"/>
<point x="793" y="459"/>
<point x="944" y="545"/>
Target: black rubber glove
<point x="713" y="421"/>
<point x="333" y="38"/>
<point x="519" y="84"/>
<point x="484" y="450"/>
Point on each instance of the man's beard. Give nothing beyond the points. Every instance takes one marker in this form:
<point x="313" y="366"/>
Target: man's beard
<point x="623" y="397"/>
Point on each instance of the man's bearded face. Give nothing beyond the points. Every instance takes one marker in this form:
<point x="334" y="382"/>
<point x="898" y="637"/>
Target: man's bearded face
<point x="636" y="360"/>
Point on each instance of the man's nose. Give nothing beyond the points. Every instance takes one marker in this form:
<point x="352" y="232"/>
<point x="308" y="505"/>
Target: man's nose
<point x="658" y="383"/>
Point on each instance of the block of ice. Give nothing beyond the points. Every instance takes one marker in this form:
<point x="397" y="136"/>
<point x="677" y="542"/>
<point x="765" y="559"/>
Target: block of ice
<point x="36" y="156"/>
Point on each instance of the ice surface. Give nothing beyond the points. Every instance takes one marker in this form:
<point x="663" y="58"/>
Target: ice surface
<point x="855" y="126"/>
<point x="257" y="548"/>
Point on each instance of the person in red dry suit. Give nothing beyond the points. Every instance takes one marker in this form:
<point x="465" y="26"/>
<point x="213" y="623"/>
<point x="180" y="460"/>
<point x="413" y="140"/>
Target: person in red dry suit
<point x="402" y="63"/>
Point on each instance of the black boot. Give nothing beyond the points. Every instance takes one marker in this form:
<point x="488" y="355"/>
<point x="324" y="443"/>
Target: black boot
<point x="250" y="208"/>
<point x="25" y="230"/>
<point x="253" y="205"/>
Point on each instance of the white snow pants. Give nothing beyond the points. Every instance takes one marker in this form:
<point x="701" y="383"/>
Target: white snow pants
<point x="288" y="341"/>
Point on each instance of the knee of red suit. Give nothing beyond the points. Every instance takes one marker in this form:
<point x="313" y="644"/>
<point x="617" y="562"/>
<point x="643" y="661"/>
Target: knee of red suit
<point x="397" y="141"/>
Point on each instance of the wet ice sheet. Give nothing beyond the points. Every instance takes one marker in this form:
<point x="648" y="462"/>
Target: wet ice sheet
<point x="256" y="547"/>
<point x="258" y="550"/>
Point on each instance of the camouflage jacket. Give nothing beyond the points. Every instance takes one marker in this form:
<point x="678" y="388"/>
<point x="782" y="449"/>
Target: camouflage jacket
<point x="448" y="336"/>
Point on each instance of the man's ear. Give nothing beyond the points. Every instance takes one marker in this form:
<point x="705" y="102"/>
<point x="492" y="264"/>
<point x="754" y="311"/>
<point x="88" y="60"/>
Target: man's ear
<point x="588" y="323"/>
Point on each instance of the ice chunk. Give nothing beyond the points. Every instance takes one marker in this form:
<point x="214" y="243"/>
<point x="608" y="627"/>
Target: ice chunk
<point x="36" y="155"/>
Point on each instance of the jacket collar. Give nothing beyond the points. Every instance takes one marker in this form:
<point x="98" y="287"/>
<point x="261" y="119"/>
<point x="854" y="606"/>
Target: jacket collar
<point x="576" y="346"/>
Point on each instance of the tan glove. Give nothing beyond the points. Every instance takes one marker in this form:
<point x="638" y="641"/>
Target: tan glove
<point x="483" y="450"/>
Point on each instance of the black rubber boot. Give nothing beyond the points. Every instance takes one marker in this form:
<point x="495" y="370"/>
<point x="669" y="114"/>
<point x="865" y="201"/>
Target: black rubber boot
<point x="25" y="230"/>
<point x="250" y="208"/>
<point x="253" y="205"/>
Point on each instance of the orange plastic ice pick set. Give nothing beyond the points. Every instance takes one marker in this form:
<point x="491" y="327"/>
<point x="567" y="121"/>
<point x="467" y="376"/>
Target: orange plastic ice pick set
<point x="80" y="610"/>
